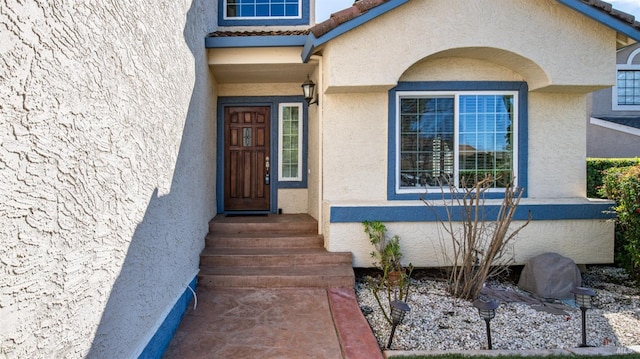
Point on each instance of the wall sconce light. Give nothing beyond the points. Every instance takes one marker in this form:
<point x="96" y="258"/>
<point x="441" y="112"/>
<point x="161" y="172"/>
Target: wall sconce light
<point x="487" y="311"/>
<point x="398" y="311"/>
<point x="309" y="91"/>
<point x="583" y="300"/>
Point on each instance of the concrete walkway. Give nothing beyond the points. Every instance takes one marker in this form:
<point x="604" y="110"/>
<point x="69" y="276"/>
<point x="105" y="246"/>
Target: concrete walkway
<point x="274" y="323"/>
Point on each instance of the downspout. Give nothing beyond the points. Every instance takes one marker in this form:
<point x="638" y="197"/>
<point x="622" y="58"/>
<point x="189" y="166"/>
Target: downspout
<point x="320" y="143"/>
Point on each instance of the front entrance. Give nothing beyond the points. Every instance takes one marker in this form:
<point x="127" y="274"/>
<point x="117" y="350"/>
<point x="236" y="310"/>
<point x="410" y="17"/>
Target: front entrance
<point x="246" y="158"/>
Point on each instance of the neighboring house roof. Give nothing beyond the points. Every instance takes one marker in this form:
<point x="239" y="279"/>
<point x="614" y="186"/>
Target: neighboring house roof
<point x="624" y="121"/>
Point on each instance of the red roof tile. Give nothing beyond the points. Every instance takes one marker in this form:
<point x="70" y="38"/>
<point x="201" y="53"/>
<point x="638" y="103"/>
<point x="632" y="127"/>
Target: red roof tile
<point x="259" y="33"/>
<point x="358" y="8"/>
<point x="608" y="8"/>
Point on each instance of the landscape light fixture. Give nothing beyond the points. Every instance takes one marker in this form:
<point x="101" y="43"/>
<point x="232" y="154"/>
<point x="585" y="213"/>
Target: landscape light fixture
<point x="398" y="310"/>
<point x="487" y="311"/>
<point x="583" y="300"/>
<point x="309" y="91"/>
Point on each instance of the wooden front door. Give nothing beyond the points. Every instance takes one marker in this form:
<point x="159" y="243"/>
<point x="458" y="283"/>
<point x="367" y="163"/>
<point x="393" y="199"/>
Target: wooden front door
<point x="246" y="158"/>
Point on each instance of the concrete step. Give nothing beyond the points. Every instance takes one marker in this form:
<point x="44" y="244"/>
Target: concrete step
<point x="268" y="224"/>
<point x="271" y="251"/>
<point x="264" y="240"/>
<point x="327" y="276"/>
<point x="271" y="257"/>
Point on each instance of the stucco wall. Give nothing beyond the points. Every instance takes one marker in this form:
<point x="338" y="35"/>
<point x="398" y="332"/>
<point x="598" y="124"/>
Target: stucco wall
<point x="355" y="146"/>
<point x="557" y="145"/>
<point x="521" y="27"/>
<point x="293" y="200"/>
<point x="106" y="171"/>
<point x="427" y="245"/>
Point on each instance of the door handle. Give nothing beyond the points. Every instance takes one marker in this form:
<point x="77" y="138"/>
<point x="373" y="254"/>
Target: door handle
<point x="267" y="180"/>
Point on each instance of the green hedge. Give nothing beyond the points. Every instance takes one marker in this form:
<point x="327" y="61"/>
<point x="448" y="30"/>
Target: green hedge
<point x="622" y="184"/>
<point x="595" y="167"/>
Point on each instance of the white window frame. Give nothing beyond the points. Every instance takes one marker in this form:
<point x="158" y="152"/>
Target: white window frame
<point x="629" y="66"/>
<point x="281" y="108"/>
<point x="227" y="17"/>
<point x="456" y="95"/>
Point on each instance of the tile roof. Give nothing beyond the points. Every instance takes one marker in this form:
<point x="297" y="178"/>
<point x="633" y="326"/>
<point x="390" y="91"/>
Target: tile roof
<point x="259" y="33"/>
<point x="338" y="18"/>
<point x="608" y="8"/>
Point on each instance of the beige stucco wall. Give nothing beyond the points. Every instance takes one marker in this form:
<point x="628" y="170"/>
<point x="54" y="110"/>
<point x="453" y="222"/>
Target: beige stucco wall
<point x="427" y="245"/>
<point x="557" y="145"/>
<point x="293" y="200"/>
<point x="501" y="40"/>
<point x="259" y="89"/>
<point x="482" y="30"/>
<point x="106" y="171"/>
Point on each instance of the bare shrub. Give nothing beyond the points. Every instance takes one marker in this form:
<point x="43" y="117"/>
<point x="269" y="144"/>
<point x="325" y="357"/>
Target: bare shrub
<point x="480" y="240"/>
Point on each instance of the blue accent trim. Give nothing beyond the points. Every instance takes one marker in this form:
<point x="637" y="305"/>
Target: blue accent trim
<point x="422" y="213"/>
<point x="603" y="18"/>
<point x="273" y="102"/>
<point x="255" y="41"/>
<point x="523" y="130"/>
<point x="304" y="20"/>
<point x="160" y="341"/>
<point x="313" y="42"/>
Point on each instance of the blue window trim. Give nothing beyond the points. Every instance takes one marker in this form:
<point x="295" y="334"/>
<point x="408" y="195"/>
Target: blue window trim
<point x="522" y="134"/>
<point x="421" y="213"/>
<point x="273" y="102"/>
<point x="303" y="20"/>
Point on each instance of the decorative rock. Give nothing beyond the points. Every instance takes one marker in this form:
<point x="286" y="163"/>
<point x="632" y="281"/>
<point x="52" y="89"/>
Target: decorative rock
<point x="550" y="275"/>
<point x="438" y="322"/>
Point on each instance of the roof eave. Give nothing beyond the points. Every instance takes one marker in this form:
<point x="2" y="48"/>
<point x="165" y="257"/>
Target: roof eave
<point x="255" y="41"/>
<point x="312" y="43"/>
<point x="603" y="18"/>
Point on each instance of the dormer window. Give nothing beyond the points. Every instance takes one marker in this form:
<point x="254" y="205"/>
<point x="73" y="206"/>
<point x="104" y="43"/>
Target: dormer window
<point x="263" y="9"/>
<point x="264" y="12"/>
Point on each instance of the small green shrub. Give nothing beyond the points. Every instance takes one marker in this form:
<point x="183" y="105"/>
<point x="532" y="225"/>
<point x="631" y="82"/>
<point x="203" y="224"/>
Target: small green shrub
<point x="595" y="169"/>
<point x="623" y="186"/>
<point x="395" y="280"/>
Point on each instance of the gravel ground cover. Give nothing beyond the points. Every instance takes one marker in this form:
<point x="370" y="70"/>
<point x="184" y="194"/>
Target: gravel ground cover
<point x="438" y="321"/>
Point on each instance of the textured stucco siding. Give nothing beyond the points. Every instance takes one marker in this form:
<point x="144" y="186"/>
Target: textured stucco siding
<point x="521" y="29"/>
<point x="293" y="200"/>
<point x="355" y="146"/>
<point x="557" y="145"/>
<point x="427" y="245"/>
<point x="106" y="171"/>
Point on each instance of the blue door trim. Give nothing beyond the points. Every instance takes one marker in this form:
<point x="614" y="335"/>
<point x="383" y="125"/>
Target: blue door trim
<point x="272" y="102"/>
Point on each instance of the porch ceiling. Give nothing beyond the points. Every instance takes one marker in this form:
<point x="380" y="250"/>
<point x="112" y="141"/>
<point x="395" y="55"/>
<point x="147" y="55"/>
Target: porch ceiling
<point x="259" y="65"/>
<point x="262" y="73"/>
